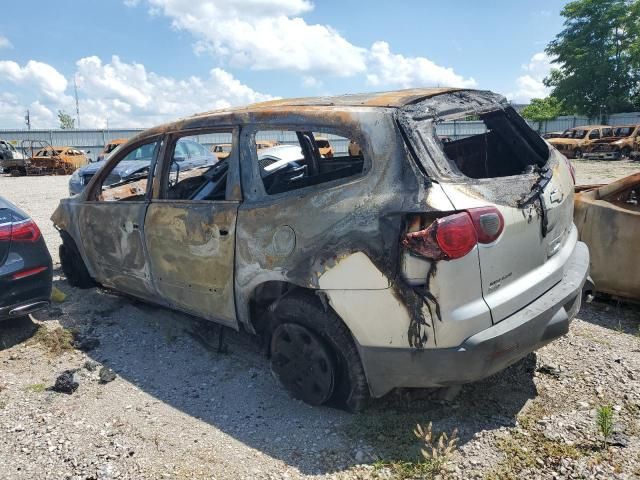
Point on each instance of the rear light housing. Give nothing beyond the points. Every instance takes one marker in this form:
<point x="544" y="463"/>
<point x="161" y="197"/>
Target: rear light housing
<point x="454" y="236"/>
<point x="21" y="231"/>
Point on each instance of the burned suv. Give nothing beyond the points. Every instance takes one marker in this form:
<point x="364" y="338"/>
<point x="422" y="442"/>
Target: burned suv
<point x="407" y="262"/>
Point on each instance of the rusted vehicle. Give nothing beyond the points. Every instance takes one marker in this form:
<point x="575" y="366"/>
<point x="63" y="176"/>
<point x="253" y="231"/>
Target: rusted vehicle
<point x="221" y="150"/>
<point x="401" y="262"/>
<point x="619" y="145"/>
<point x="110" y="147"/>
<point x="608" y="221"/>
<point x="549" y="135"/>
<point x="48" y="160"/>
<point x="11" y="159"/>
<point x="576" y="141"/>
<point x="324" y="146"/>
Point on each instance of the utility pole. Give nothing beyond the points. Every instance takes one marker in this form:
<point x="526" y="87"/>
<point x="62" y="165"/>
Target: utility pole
<point x="75" y="89"/>
<point x="27" y="120"/>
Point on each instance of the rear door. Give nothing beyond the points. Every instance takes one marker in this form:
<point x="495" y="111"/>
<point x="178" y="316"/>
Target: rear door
<point x="190" y="230"/>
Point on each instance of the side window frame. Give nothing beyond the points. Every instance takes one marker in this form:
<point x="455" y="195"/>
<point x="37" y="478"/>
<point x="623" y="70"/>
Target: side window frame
<point x="253" y="185"/>
<point x="95" y="186"/>
<point x="233" y="188"/>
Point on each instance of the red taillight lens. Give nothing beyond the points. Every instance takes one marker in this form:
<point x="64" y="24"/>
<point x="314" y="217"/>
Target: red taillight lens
<point x="28" y="273"/>
<point x="488" y="223"/>
<point x="24" y="231"/>
<point x="455" y="235"/>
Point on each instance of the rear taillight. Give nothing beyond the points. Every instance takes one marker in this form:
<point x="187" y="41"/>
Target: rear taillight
<point x="572" y="170"/>
<point x="23" y="231"/>
<point x="455" y="235"/>
<point x="488" y="223"/>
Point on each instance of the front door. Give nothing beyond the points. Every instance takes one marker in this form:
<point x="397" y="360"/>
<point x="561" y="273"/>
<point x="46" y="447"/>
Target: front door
<point x="111" y="221"/>
<point x="190" y="231"/>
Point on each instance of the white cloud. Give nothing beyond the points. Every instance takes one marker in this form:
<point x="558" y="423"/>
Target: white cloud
<point x="264" y="35"/>
<point x="392" y="69"/>
<point x="5" y="43"/>
<point x="41" y="75"/>
<point x="530" y="85"/>
<point x="124" y="94"/>
<point x="272" y="35"/>
<point x="311" y="82"/>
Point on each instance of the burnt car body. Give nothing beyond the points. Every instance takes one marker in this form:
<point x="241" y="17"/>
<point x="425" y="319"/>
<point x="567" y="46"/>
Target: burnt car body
<point x="190" y="155"/>
<point x="25" y="264"/>
<point x="620" y="145"/>
<point x="110" y="147"/>
<point x="608" y="221"/>
<point x="404" y="262"/>
<point x="575" y="142"/>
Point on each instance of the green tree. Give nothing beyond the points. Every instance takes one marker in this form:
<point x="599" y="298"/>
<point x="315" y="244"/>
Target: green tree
<point x="542" y="109"/>
<point x="596" y="74"/>
<point x="66" y="121"/>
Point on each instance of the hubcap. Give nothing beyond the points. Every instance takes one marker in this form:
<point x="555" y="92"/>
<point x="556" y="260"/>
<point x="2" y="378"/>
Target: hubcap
<point x="302" y="363"/>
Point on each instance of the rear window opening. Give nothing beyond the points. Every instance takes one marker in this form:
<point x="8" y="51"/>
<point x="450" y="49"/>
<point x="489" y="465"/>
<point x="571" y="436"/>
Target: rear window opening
<point x="473" y="134"/>
<point x="500" y="149"/>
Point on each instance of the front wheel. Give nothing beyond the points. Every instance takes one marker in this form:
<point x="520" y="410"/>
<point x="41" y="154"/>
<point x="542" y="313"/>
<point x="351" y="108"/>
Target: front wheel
<point x="577" y="153"/>
<point x="625" y="152"/>
<point x="313" y="355"/>
<point x="72" y="264"/>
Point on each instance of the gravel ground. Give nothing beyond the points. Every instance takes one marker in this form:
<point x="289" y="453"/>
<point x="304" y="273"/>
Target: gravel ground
<point x="179" y="409"/>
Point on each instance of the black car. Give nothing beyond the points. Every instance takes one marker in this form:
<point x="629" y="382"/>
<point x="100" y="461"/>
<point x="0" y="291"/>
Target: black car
<point x="25" y="264"/>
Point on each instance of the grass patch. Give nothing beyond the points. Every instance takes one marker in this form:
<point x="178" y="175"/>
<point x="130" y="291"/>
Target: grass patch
<point x="406" y="451"/>
<point x="54" y="340"/>
<point x="523" y="450"/>
<point x="36" y="388"/>
<point x="408" y="470"/>
<point x="390" y="434"/>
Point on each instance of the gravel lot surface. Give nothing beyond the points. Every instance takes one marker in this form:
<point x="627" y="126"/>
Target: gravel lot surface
<point x="179" y="409"/>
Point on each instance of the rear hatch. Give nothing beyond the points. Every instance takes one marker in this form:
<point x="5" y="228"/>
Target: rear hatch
<point x="494" y="159"/>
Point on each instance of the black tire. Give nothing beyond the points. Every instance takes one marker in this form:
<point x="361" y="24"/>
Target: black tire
<point x="577" y="153"/>
<point x="625" y="152"/>
<point x="349" y="384"/>
<point x="72" y="264"/>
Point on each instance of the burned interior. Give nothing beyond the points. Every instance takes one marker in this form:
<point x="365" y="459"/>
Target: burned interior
<point x="507" y="147"/>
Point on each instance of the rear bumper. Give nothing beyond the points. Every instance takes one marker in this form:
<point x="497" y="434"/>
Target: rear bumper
<point x="488" y="351"/>
<point x="26" y="295"/>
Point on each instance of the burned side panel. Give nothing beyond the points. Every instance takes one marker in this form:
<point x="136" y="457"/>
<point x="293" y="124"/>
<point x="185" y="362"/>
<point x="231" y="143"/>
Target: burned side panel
<point x="191" y="256"/>
<point x="608" y="221"/>
<point x="327" y="224"/>
<point x="111" y="233"/>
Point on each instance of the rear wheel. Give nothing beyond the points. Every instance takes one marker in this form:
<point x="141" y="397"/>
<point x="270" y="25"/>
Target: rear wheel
<point x="72" y="264"/>
<point x="313" y="355"/>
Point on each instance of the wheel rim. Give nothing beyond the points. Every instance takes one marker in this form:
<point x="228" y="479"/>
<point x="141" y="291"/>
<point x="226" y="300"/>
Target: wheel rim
<point x="302" y="363"/>
<point x="578" y="153"/>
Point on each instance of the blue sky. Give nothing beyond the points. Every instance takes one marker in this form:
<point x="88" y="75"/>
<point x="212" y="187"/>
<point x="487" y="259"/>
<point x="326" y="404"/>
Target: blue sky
<point x="139" y="62"/>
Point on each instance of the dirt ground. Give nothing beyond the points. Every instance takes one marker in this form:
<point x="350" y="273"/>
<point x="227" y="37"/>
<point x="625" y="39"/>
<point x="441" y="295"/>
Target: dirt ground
<point x="178" y="408"/>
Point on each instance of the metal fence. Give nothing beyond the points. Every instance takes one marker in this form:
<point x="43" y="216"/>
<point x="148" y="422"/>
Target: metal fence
<point x="92" y="141"/>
